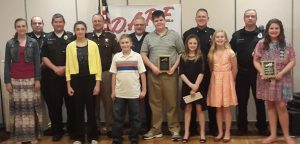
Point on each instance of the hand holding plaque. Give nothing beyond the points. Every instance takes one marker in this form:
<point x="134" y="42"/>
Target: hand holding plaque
<point x="268" y="69"/>
<point x="164" y="63"/>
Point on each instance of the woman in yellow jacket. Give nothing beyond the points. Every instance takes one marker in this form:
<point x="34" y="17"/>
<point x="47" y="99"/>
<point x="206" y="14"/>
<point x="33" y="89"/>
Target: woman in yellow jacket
<point x="83" y="74"/>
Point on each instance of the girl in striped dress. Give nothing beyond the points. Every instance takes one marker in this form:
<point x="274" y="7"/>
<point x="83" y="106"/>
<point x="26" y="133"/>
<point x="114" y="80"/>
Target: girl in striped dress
<point x="22" y="79"/>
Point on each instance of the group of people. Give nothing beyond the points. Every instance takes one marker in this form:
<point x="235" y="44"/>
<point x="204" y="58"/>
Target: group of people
<point x="84" y="69"/>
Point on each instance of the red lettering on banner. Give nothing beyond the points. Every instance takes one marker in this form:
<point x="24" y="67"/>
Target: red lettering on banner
<point x="131" y="23"/>
<point x="119" y="24"/>
<point x="115" y="22"/>
<point x="149" y="15"/>
<point x="167" y="14"/>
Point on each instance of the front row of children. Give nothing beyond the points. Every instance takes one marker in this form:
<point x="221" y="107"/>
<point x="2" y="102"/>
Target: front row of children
<point x="223" y="66"/>
<point x="128" y="68"/>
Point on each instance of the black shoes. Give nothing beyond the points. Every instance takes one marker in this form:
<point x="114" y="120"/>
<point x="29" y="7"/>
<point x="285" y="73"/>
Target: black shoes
<point x="57" y="137"/>
<point x="213" y="132"/>
<point x="134" y="142"/>
<point x="109" y="134"/>
<point x="48" y="132"/>
<point x="242" y="132"/>
<point x="116" y="141"/>
<point x="264" y="132"/>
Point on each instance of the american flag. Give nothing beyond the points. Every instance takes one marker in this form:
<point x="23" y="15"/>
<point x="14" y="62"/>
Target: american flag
<point x="103" y="10"/>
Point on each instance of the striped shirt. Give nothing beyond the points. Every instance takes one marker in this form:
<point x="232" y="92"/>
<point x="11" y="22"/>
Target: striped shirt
<point x="127" y="69"/>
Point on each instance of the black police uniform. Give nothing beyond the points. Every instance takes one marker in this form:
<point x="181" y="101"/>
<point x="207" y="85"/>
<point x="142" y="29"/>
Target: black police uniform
<point x="41" y="40"/>
<point x="108" y="45"/>
<point x="243" y="43"/>
<point x="54" y="87"/>
<point x="205" y="36"/>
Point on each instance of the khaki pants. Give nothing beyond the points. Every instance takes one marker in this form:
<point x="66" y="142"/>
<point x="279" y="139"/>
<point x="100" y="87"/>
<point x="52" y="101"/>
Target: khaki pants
<point x="105" y="97"/>
<point x="163" y="91"/>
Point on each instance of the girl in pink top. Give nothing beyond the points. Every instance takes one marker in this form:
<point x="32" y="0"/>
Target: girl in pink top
<point x="221" y="93"/>
<point x="276" y="91"/>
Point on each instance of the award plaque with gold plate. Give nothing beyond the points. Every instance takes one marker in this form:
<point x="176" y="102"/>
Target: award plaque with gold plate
<point x="268" y="68"/>
<point x="164" y="64"/>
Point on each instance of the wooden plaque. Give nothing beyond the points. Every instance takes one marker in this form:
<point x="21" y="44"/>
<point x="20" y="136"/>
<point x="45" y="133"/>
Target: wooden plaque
<point x="164" y="63"/>
<point x="269" y="68"/>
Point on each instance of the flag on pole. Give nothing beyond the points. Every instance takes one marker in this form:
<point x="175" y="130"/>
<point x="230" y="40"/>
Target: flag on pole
<point x="103" y="10"/>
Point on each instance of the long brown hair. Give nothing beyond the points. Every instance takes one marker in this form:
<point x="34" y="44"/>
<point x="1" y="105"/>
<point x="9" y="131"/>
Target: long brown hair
<point x="281" y="37"/>
<point x="185" y="55"/>
<point x="213" y="47"/>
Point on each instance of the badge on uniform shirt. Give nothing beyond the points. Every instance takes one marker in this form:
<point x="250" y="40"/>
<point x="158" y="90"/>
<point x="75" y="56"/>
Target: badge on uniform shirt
<point x="65" y="37"/>
<point x="259" y="35"/>
<point x="106" y="42"/>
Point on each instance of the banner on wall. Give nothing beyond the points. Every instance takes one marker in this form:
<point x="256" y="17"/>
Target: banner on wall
<point x="121" y="17"/>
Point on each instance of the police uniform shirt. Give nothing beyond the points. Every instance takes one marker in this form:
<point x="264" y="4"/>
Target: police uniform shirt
<point x="41" y="40"/>
<point x="108" y="45"/>
<point x="243" y="43"/>
<point x="55" y="48"/>
<point x="204" y="35"/>
<point x="137" y="44"/>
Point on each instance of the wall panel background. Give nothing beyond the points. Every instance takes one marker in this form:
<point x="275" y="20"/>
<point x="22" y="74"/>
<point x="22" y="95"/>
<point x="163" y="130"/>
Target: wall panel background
<point x="267" y="10"/>
<point x="47" y="9"/>
<point x="10" y="10"/>
<point x="86" y="10"/>
<point x="221" y="14"/>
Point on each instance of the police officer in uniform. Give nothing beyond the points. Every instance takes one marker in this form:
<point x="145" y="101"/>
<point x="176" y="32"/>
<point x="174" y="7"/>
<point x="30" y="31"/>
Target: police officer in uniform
<point x="204" y="33"/>
<point x="108" y="46"/>
<point x="243" y="43"/>
<point x="37" y="25"/>
<point x="53" y="77"/>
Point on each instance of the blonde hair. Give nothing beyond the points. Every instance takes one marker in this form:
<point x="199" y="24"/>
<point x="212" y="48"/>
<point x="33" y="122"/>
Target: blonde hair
<point x="185" y="55"/>
<point x="124" y="36"/>
<point x="213" y="47"/>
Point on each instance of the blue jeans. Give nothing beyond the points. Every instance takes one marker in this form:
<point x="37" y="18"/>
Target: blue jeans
<point x="119" y="112"/>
